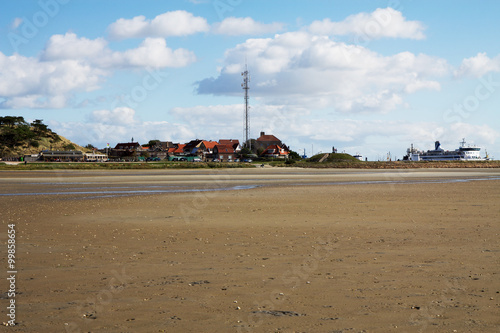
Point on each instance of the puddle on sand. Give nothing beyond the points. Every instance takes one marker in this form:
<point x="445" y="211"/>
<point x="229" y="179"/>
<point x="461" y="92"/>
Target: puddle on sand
<point x="127" y="191"/>
<point x="117" y="191"/>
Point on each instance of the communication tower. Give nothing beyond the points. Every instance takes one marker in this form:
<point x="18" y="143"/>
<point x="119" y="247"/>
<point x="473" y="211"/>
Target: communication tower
<point x="244" y="85"/>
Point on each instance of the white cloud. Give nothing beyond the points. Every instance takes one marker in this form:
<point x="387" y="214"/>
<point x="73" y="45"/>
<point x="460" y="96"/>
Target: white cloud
<point x="118" y="116"/>
<point x="152" y="52"/>
<point x="206" y="114"/>
<point x="35" y="101"/>
<point x="70" y="46"/>
<point x="299" y="126"/>
<point x="478" y="66"/>
<point x="70" y="64"/>
<point x="120" y="125"/>
<point x="478" y="133"/>
<point x="28" y="82"/>
<point x="296" y="127"/>
<point x="175" y="23"/>
<point x="383" y="22"/>
<point x="216" y="122"/>
<point x="235" y="26"/>
<point x="298" y="68"/>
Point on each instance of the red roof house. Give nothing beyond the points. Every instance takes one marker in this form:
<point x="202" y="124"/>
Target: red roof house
<point x="231" y="142"/>
<point x="225" y="153"/>
<point x="275" y="151"/>
<point x="179" y="150"/>
<point x="266" y="140"/>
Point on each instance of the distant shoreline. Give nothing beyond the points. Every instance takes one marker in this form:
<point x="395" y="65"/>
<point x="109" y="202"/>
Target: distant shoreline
<point x="218" y="165"/>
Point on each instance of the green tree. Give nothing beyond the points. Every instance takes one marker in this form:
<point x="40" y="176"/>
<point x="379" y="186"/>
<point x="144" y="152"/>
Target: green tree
<point x="12" y="121"/>
<point x="15" y="132"/>
<point x="245" y="152"/>
<point x="152" y="143"/>
<point x="293" y="155"/>
<point x="39" y="127"/>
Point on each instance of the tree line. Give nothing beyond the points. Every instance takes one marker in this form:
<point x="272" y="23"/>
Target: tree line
<point x="15" y="132"/>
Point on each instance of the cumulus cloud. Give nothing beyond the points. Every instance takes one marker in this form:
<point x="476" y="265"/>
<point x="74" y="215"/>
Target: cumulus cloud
<point x="152" y="52"/>
<point x="118" y="116"/>
<point x="204" y="114"/>
<point x="226" y="121"/>
<point x="70" y="64"/>
<point x="296" y="126"/>
<point x="298" y="68"/>
<point x="70" y="46"/>
<point x="235" y="26"/>
<point x="381" y="23"/>
<point x="174" y="23"/>
<point x="27" y="82"/>
<point x="478" y="66"/>
<point x="120" y="125"/>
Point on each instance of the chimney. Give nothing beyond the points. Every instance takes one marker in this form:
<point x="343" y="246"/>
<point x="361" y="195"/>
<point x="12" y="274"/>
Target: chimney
<point x="262" y="133"/>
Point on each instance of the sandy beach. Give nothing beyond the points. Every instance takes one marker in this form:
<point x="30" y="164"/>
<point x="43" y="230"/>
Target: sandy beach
<point x="253" y="250"/>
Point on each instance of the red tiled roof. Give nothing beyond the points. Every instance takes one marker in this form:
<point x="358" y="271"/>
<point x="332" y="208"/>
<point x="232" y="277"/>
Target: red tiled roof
<point x="276" y="150"/>
<point x="179" y="149"/>
<point x="268" y="137"/>
<point x="230" y="142"/>
<point x="210" y="144"/>
<point x="225" y="149"/>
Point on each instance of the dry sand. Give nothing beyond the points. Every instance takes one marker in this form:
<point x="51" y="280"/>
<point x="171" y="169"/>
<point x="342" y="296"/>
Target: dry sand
<point x="305" y="251"/>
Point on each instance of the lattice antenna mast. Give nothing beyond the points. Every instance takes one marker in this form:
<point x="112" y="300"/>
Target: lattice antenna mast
<point x="244" y="85"/>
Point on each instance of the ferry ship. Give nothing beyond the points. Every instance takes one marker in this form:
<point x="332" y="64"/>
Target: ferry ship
<point x="463" y="153"/>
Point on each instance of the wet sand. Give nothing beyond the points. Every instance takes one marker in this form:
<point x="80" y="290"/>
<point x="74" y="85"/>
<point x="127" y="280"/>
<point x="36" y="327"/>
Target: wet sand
<point x="256" y="250"/>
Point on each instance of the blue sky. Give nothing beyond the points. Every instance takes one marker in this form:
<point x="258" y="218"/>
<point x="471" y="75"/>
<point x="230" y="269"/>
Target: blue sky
<point x="367" y="77"/>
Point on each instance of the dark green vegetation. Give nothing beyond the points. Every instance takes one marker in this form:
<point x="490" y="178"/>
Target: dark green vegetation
<point x="121" y="165"/>
<point x="18" y="137"/>
<point x="15" y="132"/>
<point x="333" y="158"/>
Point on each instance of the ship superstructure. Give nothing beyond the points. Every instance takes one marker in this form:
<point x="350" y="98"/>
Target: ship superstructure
<point x="463" y="153"/>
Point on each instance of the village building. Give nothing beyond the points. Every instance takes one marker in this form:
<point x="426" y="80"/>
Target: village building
<point x="207" y="149"/>
<point x="266" y="140"/>
<point x="224" y="153"/>
<point x="160" y="149"/>
<point x="200" y="149"/>
<point x="128" y="151"/>
<point x="231" y="142"/>
<point x="128" y="146"/>
<point x="95" y="157"/>
<point x="176" y="152"/>
<point x="191" y="148"/>
<point x="61" y="156"/>
<point x="275" y="151"/>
